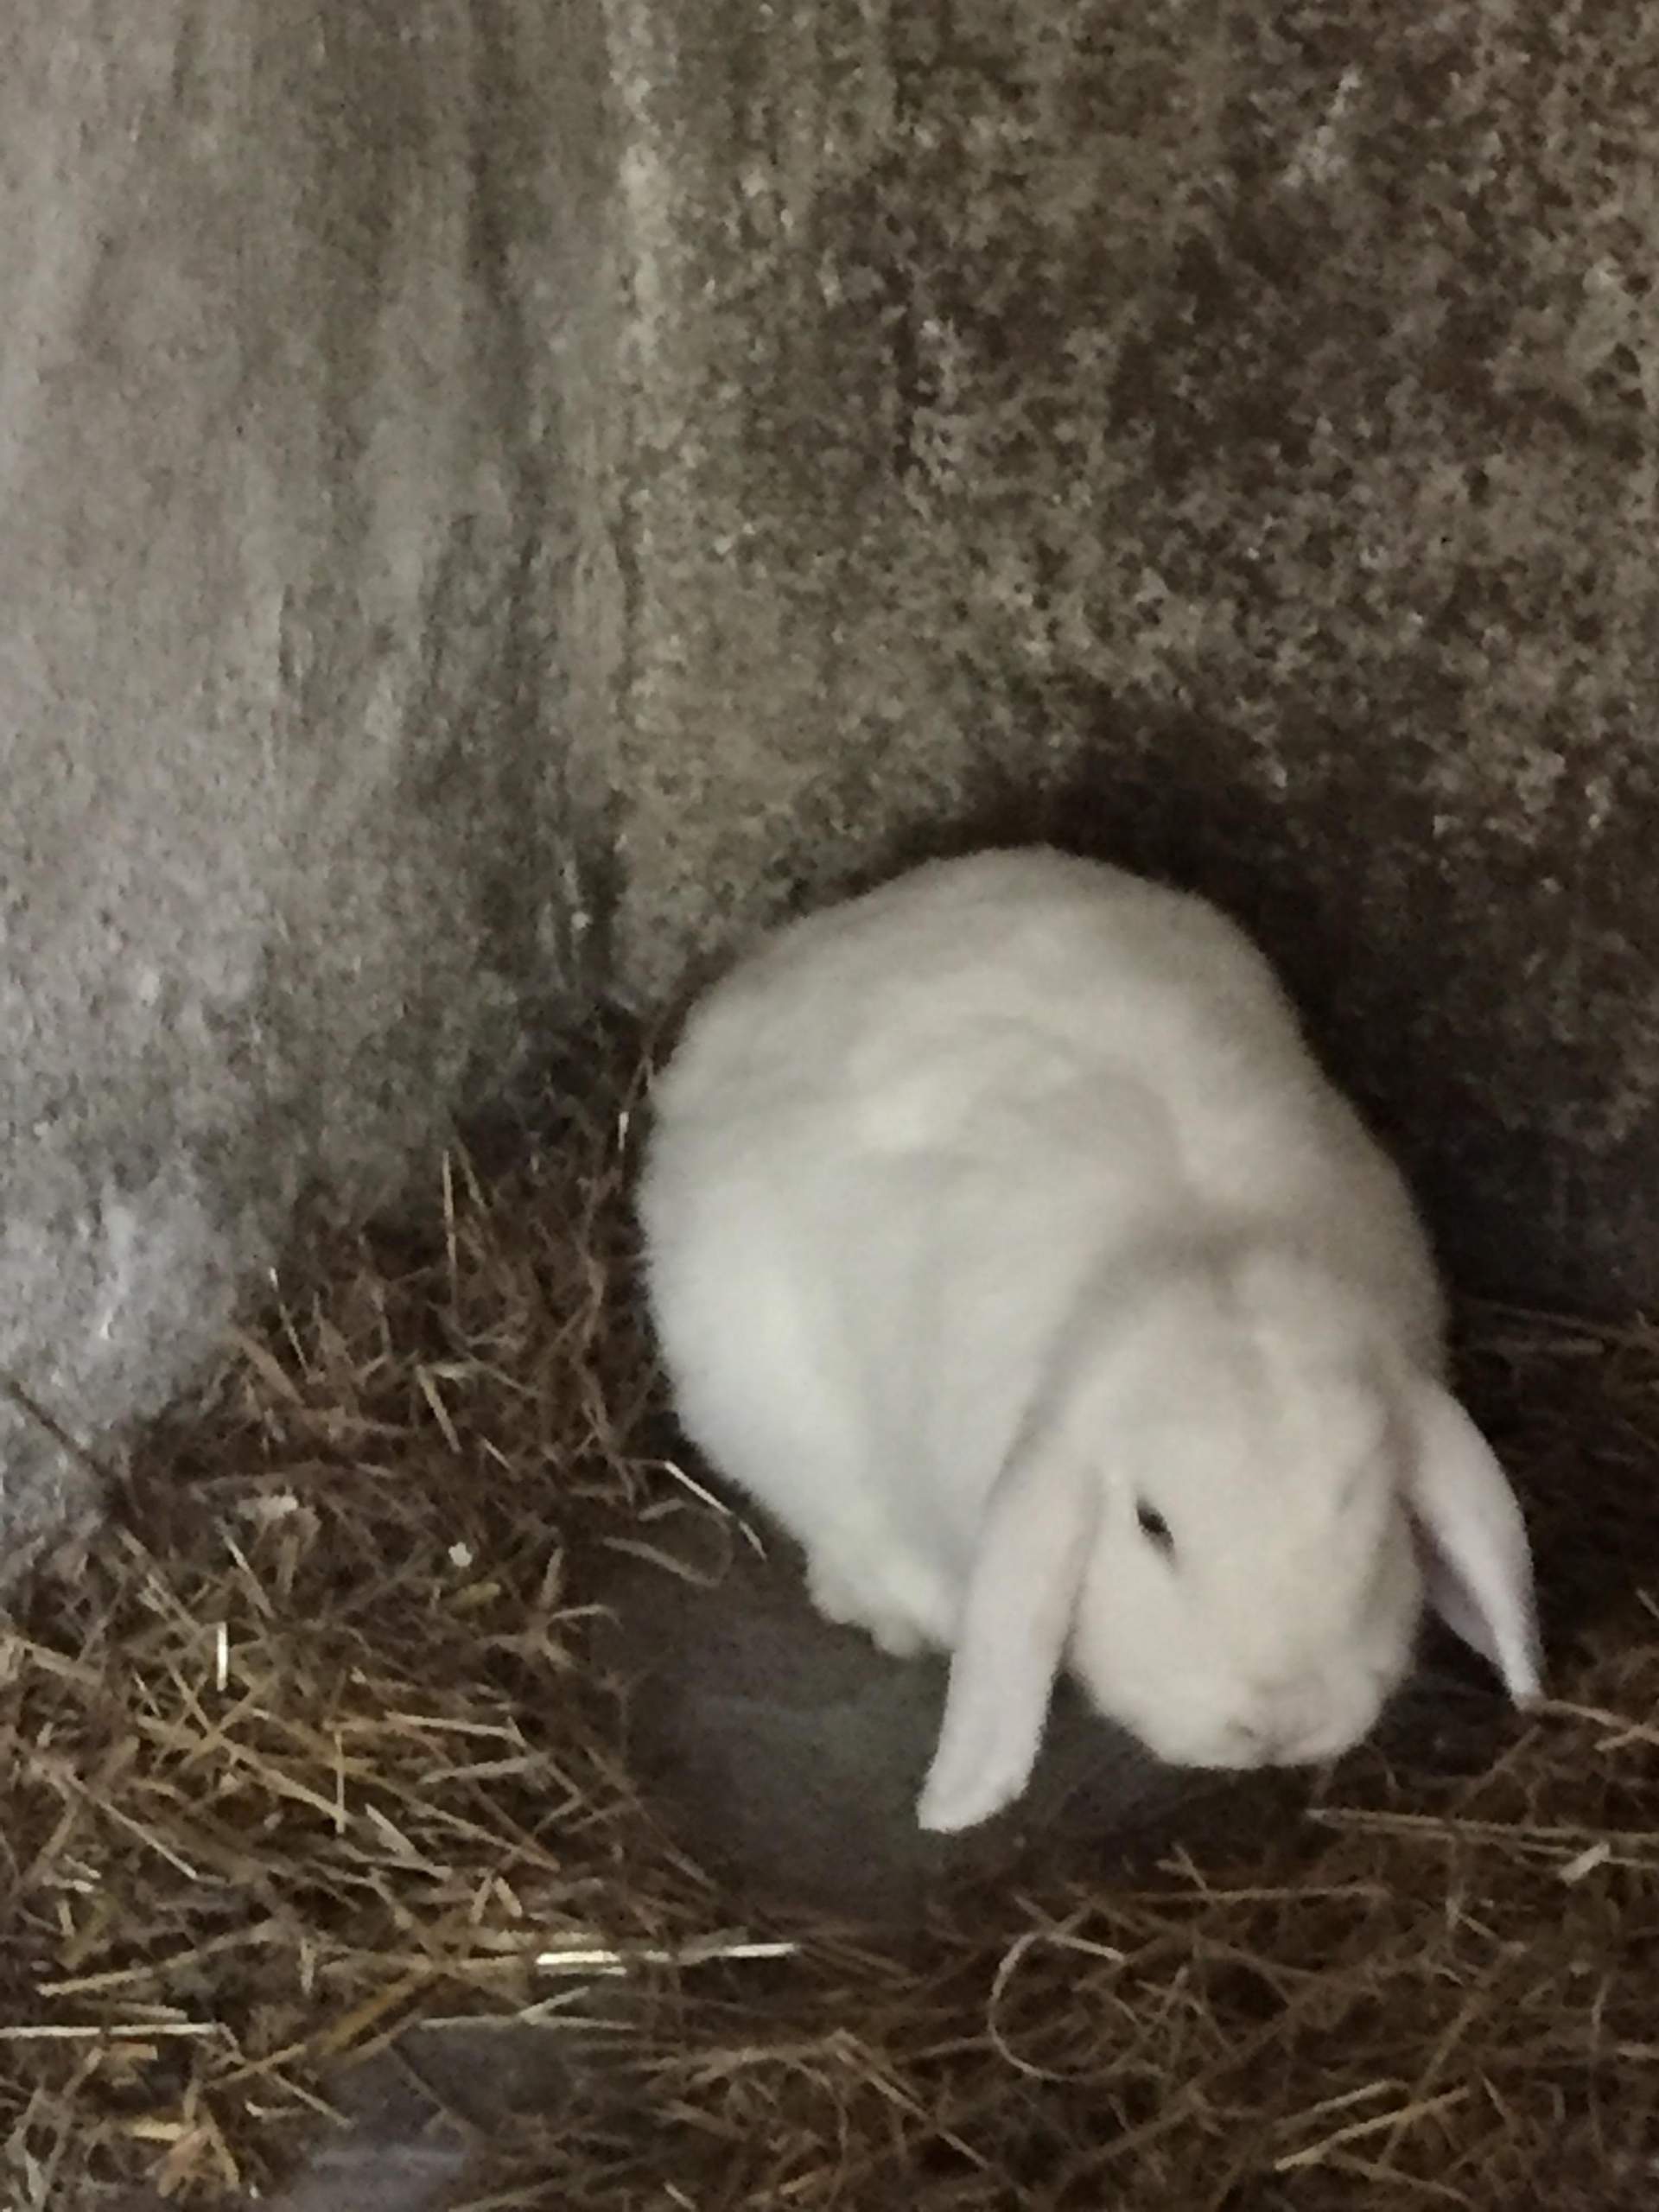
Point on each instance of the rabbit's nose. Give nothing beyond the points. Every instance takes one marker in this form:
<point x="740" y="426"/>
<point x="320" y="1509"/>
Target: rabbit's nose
<point x="1242" y="1744"/>
<point x="1303" y="1725"/>
<point x="1293" y="1726"/>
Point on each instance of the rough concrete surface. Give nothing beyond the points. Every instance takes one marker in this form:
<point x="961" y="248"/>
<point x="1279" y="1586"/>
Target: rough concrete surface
<point x="501" y="499"/>
<point x="1226" y="438"/>
<point x="280" y="861"/>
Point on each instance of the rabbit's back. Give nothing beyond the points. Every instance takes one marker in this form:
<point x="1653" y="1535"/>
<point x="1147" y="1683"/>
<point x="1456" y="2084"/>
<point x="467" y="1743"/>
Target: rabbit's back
<point x="939" y="983"/>
<point x="1055" y="1016"/>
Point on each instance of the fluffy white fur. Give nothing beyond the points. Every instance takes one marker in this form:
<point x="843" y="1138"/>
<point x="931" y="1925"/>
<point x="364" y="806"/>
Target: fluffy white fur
<point x="1000" y="1221"/>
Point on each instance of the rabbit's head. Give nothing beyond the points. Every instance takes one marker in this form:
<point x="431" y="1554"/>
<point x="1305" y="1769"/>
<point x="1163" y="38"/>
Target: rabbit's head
<point x="1223" y="1513"/>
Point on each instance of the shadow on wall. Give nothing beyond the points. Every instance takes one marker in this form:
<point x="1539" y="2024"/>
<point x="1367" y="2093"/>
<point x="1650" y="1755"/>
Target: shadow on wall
<point x="1389" y="999"/>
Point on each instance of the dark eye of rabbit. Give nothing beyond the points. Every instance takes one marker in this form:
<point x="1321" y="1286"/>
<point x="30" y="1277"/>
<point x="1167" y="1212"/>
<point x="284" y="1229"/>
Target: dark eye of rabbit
<point x="1154" y="1526"/>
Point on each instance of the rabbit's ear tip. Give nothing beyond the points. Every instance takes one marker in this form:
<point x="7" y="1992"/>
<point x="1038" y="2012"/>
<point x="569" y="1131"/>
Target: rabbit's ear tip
<point x="938" y="1814"/>
<point x="1525" y="1678"/>
<point x="951" y="1803"/>
<point x="941" y="1812"/>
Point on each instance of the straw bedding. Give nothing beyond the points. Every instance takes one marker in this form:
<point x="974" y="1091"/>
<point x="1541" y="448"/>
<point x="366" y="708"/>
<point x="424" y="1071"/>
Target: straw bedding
<point x="309" y="1744"/>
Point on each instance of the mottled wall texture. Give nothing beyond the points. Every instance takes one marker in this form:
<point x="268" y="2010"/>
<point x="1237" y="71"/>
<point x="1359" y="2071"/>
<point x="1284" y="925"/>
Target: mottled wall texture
<point x="501" y="496"/>
<point x="281" y="750"/>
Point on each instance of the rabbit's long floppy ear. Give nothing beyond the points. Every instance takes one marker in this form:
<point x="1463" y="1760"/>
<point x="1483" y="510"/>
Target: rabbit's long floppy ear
<point x="1022" y="1593"/>
<point x="1473" y="1540"/>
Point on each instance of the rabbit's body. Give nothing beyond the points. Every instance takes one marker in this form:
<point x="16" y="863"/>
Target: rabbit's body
<point x="1014" y="1137"/>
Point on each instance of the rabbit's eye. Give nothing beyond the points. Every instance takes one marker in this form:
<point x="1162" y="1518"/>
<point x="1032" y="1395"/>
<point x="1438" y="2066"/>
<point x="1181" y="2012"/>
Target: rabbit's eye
<point x="1154" y="1526"/>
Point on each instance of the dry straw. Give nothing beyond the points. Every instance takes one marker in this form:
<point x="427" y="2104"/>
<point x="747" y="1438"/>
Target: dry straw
<point x="309" y="1747"/>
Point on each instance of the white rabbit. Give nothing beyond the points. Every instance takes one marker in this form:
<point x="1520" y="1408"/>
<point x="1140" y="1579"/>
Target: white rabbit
<point x="1006" y="1243"/>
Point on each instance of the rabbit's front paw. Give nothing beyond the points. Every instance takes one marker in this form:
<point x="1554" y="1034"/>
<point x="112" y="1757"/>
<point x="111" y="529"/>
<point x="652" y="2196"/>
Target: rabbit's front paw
<point x="849" y="1602"/>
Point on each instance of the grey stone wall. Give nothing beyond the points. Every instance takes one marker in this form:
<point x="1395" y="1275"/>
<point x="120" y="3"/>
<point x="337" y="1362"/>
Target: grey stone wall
<point x="280" y="859"/>
<point x="499" y="500"/>
<point x="1226" y="439"/>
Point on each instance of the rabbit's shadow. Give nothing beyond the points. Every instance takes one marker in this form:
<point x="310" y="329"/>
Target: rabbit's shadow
<point x="785" y="1754"/>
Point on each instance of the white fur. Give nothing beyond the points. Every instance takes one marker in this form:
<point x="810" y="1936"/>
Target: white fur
<point x="983" y="1208"/>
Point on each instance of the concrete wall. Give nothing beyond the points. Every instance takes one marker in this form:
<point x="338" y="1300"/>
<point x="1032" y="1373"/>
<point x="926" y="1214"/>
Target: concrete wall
<point x="281" y="853"/>
<point x="1229" y="438"/>
<point x="499" y="499"/>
